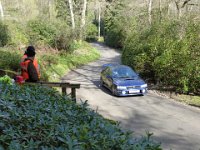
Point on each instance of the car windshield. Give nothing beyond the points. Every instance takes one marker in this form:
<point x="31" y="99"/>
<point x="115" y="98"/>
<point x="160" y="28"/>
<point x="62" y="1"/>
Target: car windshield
<point x="124" y="72"/>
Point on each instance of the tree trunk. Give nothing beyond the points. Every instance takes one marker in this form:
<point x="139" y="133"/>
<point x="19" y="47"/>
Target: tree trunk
<point x="168" y="8"/>
<point x="72" y="14"/>
<point x="150" y="11"/>
<point x="50" y="10"/>
<point x="160" y="9"/>
<point x="177" y="2"/>
<point x="83" y="18"/>
<point x="99" y="21"/>
<point x="1" y="11"/>
<point x="147" y="4"/>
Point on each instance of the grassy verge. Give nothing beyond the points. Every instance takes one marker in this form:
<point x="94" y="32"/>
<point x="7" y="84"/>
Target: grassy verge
<point x="188" y="99"/>
<point x="66" y="61"/>
<point x="183" y="98"/>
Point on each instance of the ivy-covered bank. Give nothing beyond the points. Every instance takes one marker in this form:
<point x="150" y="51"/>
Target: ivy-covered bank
<point x="36" y="117"/>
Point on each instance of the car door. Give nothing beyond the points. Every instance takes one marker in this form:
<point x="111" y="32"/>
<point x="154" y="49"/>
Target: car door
<point x="109" y="77"/>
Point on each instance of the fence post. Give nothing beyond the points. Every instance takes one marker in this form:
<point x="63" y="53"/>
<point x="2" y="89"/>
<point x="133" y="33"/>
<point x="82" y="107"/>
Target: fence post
<point x="64" y="91"/>
<point x="73" y="92"/>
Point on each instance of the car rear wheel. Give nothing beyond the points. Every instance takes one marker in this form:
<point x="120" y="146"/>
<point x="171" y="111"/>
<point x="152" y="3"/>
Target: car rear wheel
<point x="101" y="82"/>
<point x="113" y="91"/>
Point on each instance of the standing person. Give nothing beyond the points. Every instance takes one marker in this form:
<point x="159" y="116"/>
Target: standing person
<point x="29" y="66"/>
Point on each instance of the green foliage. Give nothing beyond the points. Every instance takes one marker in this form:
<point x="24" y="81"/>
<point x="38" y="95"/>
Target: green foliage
<point x="56" y="34"/>
<point x="76" y="45"/>
<point x="91" y="32"/>
<point x="62" y="12"/>
<point x="41" y="31"/>
<point x="35" y="117"/>
<point x="64" y="38"/>
<point x="146" y="143"/>
<point x="167" y="52"/>
<point x="50" y="59"/>
<point x="114" y="24"/>
<point x="9" y="60"/>
<point x="80" y="53"/>
<point x="6" y="80"/>
<point x="18" y="35"/>
<point x="4" y="34"/>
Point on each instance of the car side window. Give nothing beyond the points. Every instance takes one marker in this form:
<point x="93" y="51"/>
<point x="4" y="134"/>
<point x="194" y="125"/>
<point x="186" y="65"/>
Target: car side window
<point x="107" y="71"/>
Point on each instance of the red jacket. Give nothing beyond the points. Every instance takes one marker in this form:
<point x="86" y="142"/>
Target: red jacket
<point x="35" y="63"/>
<point x="29" y="70"/>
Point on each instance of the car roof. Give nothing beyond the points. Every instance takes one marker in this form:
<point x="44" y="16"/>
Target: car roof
<point x="113" y="66"/>
<point x="108" y="65"/>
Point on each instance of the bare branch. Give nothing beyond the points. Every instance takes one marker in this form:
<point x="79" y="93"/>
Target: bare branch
<point x="185" y="2"/>
<point x="194" y="4"/>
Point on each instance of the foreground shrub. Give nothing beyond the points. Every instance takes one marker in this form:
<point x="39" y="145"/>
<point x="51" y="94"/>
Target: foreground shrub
<point x="34" y="117"/>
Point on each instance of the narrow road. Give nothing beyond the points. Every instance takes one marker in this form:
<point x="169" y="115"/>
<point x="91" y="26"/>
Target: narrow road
<point x="175" y="125"/>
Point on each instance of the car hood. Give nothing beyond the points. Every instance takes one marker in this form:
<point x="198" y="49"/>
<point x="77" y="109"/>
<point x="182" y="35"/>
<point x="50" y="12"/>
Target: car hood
<point x="128" y="82"/>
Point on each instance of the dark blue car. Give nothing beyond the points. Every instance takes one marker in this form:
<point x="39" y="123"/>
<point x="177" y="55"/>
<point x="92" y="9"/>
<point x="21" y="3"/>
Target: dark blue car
<point x="121" y="80"/>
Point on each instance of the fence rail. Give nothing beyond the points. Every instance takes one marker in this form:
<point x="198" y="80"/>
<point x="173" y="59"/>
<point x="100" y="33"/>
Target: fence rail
<point x="62" y="85"/>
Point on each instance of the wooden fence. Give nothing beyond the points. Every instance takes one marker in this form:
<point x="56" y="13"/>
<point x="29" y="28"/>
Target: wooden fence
<point x="62" y="85"/>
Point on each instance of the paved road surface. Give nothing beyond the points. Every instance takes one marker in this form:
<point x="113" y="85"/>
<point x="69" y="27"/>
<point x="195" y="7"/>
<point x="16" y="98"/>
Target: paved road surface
<point x="176" y="125"/>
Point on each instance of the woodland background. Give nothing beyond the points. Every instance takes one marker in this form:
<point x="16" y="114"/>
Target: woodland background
<point x="158" y="38"/>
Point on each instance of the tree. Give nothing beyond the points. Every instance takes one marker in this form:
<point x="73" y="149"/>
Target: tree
<point x="1" y="11"/>
<point x="99" y="20"/>
<point x="160" y="9"/>
<point x="83" y="14"/>
<point x="71" y="14"/>
<point x="150" y="11"/>
<point x="178" y="7"/>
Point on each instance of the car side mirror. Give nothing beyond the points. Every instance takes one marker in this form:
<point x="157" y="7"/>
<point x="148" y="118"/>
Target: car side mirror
<point x="137" y="74"/>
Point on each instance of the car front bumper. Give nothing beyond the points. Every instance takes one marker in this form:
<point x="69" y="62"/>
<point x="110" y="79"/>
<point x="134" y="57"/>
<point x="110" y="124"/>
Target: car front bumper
<point x="142" y="91"/>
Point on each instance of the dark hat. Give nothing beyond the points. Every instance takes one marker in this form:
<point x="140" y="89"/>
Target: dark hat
<point x="30" y="51"/>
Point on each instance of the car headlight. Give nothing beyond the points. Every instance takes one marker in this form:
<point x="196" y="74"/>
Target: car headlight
<point x="144" y="86"/>
<point x="121" y="87"/>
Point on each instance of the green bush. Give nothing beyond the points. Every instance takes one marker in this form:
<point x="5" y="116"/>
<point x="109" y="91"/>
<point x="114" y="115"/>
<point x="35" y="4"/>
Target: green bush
<point x="91" y="32"/>
<point x="63" y="40"/>
<point x="6" y="80"/>
<point x="75" y="45"/>
<point x="115" y="24"/>
<point x="9" y="60"/>
<point x="41" y="32"/>
<point x="4" y="34"/>
<point x="18" y="35"/>
<point x="167" y="53"/>
<point x="56" y="34"/>
<point x="35" y="117"/>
